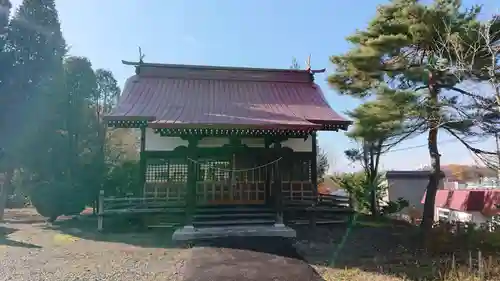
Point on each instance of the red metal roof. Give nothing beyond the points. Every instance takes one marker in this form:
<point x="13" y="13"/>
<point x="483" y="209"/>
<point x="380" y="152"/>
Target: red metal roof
<point x="484" y="201"/>
<point x="179" y="96"/>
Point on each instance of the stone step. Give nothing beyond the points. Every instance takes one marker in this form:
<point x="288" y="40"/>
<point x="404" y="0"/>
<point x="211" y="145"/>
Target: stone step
<point x="185" y="234"/>
<point x="234" y="222"/>
<point x="234" y="215"/>
<point x="319" y="221"/>
<point x="232" y="210"/>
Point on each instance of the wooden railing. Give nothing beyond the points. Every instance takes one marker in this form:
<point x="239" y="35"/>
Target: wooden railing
<point x="321" y="209"/>
<point x="298" y="200"/>
<point x="297" y="190"/>
<point x="167" y="191"/>
<point x="319" y="200"/>
<point x="130" y="205"/>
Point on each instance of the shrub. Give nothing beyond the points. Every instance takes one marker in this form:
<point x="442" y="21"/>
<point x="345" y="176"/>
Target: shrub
<point x="393" y="207"/>
<point x="52" y="200"/>
<point x="359" y="188"/>
<point x="123" y="179"/>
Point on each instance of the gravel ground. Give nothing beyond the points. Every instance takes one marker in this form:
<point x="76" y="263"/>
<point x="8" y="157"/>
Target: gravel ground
<point x="31" y="250"/>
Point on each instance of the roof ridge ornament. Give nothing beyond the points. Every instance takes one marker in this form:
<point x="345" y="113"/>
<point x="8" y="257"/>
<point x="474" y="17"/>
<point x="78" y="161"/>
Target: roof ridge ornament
<point x="308" y="68"/>
<point x="308" y="63"/>
<point x="141" y="61"/>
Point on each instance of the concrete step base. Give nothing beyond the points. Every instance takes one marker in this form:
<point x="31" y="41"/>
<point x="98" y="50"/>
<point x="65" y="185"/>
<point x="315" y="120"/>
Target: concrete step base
<point x="192" y="233"/>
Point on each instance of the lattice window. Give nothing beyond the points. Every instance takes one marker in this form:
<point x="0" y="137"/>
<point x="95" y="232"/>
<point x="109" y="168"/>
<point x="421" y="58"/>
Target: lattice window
<point x="157" y="172"/>
<point x="214" y="170"/>
<point x="177" y="172"/>
<point x="160" y="170"/>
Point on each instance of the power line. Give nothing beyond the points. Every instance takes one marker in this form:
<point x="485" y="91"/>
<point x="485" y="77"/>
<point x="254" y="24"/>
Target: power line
<point x="419" y="146"/>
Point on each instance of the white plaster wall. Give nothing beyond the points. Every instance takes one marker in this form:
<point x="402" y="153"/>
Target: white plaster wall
<point x="212" y="142"/>
<point x="299" y="144"/>
<point x="155" y="142"/>
<point x="253" y="142"/>
<point x="478" y="217"/>
<point x="411" y="189"/>
<point x="461" y="216"/>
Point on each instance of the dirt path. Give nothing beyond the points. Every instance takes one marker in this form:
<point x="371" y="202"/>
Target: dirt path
<point x="244" y="258"/>
<point x="32" y="250"/>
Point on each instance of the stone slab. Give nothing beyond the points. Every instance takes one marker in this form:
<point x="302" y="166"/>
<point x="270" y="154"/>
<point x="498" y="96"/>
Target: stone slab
<point x="190" y="233"/>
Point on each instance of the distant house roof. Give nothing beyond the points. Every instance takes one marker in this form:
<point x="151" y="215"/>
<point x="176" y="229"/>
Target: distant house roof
<point x="484" y="201"/>
<point x="327" y="186"/>
<point x="177" y="96"/>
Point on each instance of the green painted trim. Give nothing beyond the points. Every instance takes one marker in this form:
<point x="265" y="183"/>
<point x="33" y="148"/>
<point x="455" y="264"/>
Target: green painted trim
<point x="233" y="132"/>
<point x="225" y="152"/>
<point x="334" y="127"/>
<point x="127" y="123"/>
<point x="226" y="131"/>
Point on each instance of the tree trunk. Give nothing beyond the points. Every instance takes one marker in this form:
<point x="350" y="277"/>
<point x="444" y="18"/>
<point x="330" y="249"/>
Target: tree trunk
<point x="373" y="193"/>
<point x="5" y="187"/>
<point x="435" y="175"/>
<point x="434" y="178"/>
<point x="3" y="199"/>
<point x="373" y="181"/>
<point x="371" y="174"/>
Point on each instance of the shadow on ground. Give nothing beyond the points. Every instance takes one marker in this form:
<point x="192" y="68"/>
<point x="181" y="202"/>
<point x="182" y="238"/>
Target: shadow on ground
<point x="234" y="258"/>
<point x="248" y="258"/>
<point x="377" y="248"/>
<point x="5" y="241"/>
<point x="85" y="227"/>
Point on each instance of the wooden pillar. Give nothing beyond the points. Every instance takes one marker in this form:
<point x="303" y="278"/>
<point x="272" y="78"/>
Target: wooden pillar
<point x="235" y="145"/>
<point x="142" y="161"/>
<point x="191" y="182"/>
<point x="269" y="193"/>
<point x="314" y="164"/>
<point x="314" y="175"/>
<point x="278" y="194"/>
<point x="100" y="211"/>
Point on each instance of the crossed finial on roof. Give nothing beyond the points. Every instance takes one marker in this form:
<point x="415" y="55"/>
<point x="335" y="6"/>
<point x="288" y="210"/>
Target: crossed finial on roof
<point x="308" y="63"/>
<point x="141" y="56"/>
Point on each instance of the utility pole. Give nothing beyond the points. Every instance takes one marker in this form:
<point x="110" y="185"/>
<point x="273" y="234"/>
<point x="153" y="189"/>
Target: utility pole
<point x="497" y="140"/>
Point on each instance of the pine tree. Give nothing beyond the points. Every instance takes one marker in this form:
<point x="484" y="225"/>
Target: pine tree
<point x="36" y="47"/>
<point x="322" y="164"/>
<point x="378" y="126"/>
<point x="5" y="7"/>
<point x="5" y="66"/>
<point x="32" y="51"/>
<point x="398" y="50"/>
<point x="69" y="144"/>
<point x="5" y="61"/>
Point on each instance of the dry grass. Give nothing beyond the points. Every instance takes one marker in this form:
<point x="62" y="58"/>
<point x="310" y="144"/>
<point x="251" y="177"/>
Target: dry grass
<point x="393" y="252"/>
<point x="356" y="274"/>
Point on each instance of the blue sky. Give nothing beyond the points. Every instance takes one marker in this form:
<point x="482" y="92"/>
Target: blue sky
<point x="257" y="33"/>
